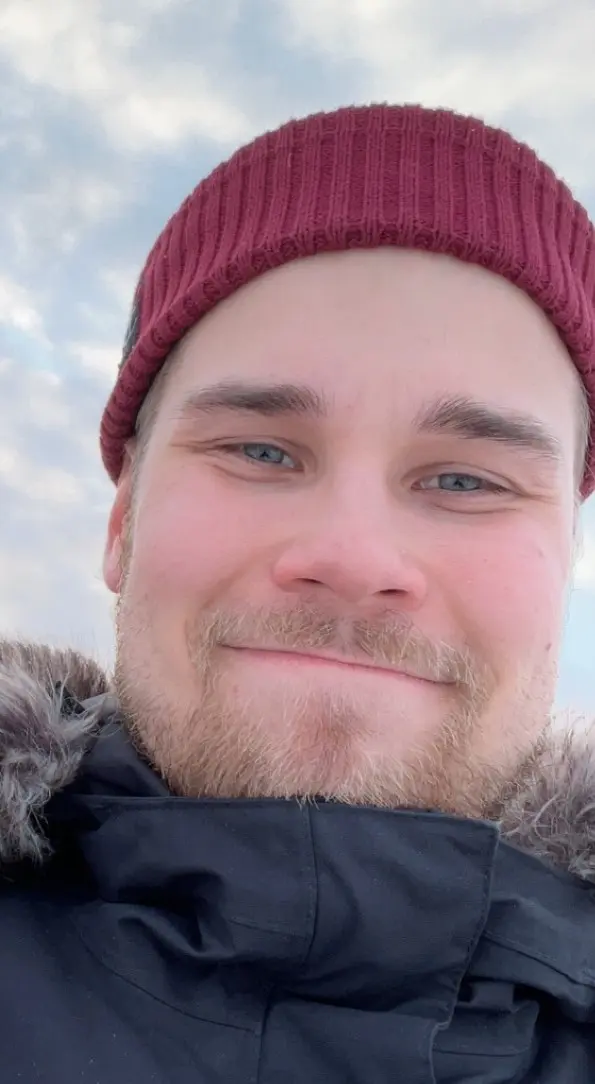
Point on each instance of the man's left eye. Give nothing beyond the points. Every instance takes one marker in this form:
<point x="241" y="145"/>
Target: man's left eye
<point x="459" y="482"/>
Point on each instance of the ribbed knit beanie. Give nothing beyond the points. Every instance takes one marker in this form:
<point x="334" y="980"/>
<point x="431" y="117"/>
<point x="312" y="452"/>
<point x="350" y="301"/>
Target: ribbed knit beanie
<point x="359" y="178"/>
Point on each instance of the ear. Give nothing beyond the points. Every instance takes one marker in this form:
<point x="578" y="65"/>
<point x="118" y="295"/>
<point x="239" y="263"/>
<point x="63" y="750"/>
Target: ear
<point x="113" y="564"/>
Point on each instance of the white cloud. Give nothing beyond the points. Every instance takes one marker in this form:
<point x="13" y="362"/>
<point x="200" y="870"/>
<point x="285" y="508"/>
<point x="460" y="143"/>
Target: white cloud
<point x="44" y="402"/>
<point x="76" y="49"/>
<point x="585" y="569"/>
<point x="53" y="214"/>
<point x="120" y="283"/>
<point x="54" y="499"/>
<point x="98" y="359"/>
<point x="17" y="309"/>
<point x="37" y="482"/>
<point x="18" y="575"/>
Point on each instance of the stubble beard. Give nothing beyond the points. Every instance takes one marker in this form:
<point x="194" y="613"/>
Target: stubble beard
<point x="316" y="745"/>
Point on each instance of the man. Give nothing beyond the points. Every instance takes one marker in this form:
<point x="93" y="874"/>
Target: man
<point x="320" y="827"/>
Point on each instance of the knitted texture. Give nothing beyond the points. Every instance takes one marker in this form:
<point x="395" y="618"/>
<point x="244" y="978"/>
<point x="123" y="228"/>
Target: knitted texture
<point x="360" y="178"/>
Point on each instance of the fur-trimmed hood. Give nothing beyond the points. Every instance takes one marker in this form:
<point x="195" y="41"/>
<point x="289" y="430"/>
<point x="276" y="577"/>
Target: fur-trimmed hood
<point x="53" y="702"/>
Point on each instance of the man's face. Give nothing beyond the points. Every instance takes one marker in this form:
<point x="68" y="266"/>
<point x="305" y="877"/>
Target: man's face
<point x="344" y="570"/>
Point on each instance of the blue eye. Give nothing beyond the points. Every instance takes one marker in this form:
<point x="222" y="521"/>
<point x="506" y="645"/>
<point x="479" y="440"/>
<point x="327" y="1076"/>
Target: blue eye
<point x="459" y="482"/>
<point x="270" y="454"/>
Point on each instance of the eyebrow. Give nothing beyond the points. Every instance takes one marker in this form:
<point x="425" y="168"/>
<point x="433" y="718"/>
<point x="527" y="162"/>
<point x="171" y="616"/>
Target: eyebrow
<point x="269" y="400"/>
<point x="474" y="420"/>
<point x="460" y="416"/>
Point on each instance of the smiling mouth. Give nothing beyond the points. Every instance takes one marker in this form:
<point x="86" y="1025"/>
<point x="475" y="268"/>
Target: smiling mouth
<point x="317" y="658"/>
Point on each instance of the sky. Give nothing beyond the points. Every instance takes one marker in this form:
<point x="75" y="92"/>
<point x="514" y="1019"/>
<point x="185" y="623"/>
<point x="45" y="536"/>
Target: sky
<point x="111" y="111"/>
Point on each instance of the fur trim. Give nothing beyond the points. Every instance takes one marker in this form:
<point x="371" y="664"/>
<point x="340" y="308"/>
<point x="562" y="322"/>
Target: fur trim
<point x="553" y="815"/>
<point x="42" y="744"/>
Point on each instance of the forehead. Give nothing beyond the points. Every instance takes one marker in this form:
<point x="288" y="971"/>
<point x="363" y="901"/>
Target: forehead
<point x="382" y="329"/>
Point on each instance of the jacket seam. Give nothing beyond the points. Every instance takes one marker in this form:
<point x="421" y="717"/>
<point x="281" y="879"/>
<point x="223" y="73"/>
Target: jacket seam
<point x="585" y="976"/>
<point x="314" y="892"/>
<point x="154" y="997"/>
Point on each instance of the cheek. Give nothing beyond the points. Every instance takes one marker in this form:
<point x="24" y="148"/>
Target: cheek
<point x="187" y="546"/>
<point x="513" y="593"/>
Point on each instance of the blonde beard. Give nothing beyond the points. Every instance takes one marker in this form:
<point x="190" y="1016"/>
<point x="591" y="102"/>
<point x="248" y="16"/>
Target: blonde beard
<point x="313" y="747"/>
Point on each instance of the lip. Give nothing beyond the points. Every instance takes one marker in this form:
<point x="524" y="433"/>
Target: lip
<point x="318" y="658"/>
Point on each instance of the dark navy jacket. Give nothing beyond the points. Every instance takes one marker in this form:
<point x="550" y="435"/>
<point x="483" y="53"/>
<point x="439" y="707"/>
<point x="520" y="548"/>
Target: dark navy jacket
<point x="171" y="941"/>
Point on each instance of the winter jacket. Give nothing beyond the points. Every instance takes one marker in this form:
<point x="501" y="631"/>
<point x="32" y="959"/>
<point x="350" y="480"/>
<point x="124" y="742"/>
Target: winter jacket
<point x="150" y="939"/>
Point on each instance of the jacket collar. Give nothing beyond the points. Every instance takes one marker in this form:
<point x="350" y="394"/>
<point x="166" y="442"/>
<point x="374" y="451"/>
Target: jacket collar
<point x="352" y="906"/>
<point x="54" y="703"/>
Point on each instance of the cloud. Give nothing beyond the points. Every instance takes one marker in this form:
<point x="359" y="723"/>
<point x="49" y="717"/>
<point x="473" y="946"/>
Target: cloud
<point x="98" y="358"/>
<point x="585" y="570"/>
<point x="18" y="311"/>
<point x="54" y="500"/>
<point x="52" y="199"/>
<point x="120" y="282"/>
<point x="113" y="59"/>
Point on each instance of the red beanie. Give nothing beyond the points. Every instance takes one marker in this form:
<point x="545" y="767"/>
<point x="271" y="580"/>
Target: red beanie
<point x="359" y="178"/>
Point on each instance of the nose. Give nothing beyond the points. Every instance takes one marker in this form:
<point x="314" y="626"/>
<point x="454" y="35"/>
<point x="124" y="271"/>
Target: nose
<point x="355" y="550"/>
